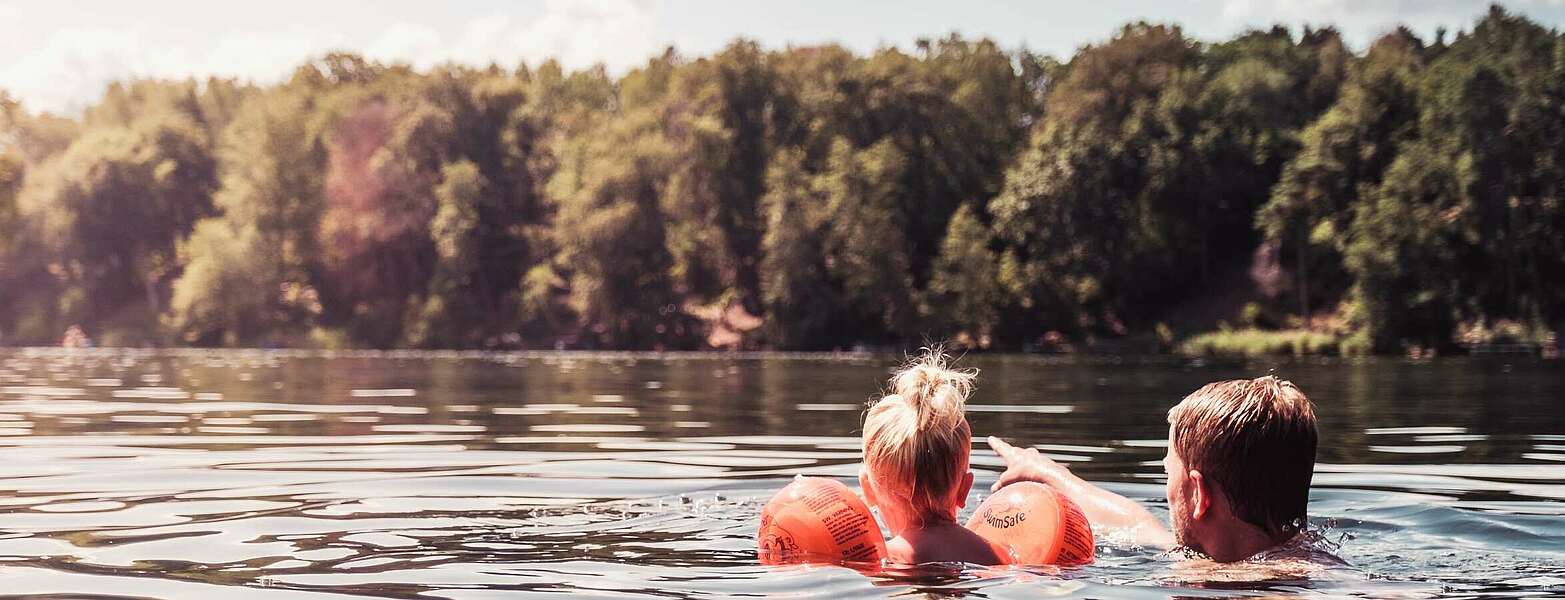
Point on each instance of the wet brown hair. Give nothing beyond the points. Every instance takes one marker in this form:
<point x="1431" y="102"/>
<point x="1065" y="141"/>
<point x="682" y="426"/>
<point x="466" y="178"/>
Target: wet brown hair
<point x="1256" y="439"/>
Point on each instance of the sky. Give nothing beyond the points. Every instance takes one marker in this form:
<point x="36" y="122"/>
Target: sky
<point x="57" y="55"/>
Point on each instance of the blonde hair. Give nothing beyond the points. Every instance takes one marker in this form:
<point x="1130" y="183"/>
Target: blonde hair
<point x="916" y="439"/>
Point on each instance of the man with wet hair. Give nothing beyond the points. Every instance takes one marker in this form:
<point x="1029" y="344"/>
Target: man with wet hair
<point x="1241" y="454"/>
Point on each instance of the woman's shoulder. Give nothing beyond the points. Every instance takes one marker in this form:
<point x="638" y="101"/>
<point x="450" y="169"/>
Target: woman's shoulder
<point x="946" y="544"/>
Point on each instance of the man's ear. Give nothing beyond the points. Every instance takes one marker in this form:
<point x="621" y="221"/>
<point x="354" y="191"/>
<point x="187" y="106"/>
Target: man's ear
<point x="869" y="488"/>
<point x="964" y="489"/>
<point x="1200" y="494"/>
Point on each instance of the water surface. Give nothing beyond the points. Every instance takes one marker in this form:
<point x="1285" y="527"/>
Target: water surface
<point x="249" y="474"/>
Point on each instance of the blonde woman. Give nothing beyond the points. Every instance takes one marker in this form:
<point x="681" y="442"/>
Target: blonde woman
<point x="916" y="447"/>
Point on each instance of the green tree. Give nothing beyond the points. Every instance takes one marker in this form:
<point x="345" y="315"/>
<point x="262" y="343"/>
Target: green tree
<point x="1345" y="154"/>
<point x="249" y="270"/>
<point x="730" y="149"/>
<point x="448" y="314"/>
<point x="801" y="305"/>
<point x="868" y="252"/>
<point x="966" y="293"/>
<point x="1471" y="183"/>
<point x="11" y="171"/>
<point x="109" y="213"/>
<point x="1076" y="211"/>
<point x="612" y="237"/>
<point x="228" y="293"/>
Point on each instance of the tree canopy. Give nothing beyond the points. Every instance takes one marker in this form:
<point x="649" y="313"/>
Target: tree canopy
<point x="810" y="197"/>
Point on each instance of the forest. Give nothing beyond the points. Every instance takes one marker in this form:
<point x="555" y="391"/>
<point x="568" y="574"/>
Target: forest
<point x="1405" y="196"/>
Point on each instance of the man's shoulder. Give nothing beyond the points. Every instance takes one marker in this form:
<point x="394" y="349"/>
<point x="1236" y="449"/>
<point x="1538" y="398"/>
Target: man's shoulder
<point x="1297" y="559"/>
<point x="1309" y="546"/>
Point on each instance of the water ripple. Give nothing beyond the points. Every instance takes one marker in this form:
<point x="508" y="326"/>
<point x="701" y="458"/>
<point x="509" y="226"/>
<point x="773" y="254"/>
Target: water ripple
<point x="257" y="474"/>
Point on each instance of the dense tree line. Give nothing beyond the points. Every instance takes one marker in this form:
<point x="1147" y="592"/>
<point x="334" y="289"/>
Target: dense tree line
<point x="1406" y="195"/>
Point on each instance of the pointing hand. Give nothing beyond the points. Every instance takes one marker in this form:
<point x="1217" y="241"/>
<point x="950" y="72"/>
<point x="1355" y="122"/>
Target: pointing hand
<point x="1024" y="464"/>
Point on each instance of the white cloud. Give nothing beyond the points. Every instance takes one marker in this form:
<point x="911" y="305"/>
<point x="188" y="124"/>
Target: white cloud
<point x="619" y="33"/>
<point x="73" y="64"/>
<point x="580" y="33"/>
<point x="67" y="69"/>
<point x="415" y="44"/>
<point x="71" y="68"/>
<point x="264" y="56"/>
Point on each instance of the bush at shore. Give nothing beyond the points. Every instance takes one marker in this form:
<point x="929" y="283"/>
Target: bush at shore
<point x="1259" y="342"/>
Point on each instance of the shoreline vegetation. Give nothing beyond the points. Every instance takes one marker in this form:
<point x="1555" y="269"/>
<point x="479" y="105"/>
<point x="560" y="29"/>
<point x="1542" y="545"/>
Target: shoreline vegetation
<point x="1141" y="195"/>
<point x="1261" y="342"/>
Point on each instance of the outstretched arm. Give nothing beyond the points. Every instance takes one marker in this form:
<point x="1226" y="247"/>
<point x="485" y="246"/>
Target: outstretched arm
<point x="1105" y="509"/>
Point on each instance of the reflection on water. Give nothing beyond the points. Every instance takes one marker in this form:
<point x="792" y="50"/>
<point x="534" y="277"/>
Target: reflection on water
<point x="281" y="475"/>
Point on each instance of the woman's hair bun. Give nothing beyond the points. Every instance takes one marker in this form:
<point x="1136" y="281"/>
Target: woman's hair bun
<point x="932" y="390"/>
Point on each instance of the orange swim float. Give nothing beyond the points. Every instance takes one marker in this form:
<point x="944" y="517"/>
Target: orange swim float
<point x="1032" y="524"/>
<point x="818" y="520"/>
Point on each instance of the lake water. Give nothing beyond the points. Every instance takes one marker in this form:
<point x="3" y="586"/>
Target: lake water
<point x="272" y="475"/>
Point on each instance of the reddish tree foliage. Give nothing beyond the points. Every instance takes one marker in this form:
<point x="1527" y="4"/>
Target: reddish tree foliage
<point x="375" y="251"/>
